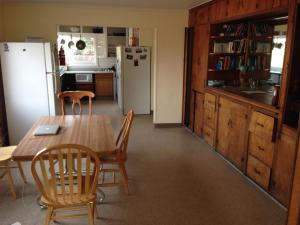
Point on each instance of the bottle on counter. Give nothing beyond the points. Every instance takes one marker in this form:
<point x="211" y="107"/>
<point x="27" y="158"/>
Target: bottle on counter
<point x="62" y="57"/>
<point x="275" y="97"/>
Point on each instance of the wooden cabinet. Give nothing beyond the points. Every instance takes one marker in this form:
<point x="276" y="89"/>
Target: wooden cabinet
<point x="209" y="126"/>
<point x="192" y="17"/>
<point x="261" y="149"/>
<point x="192" y="110"/>
<point x="202" y="15"/>
<point x="85" y="87"/>
<point x="280" y="3"/>
<point x="233" y="8"/>
<point x="198" y="116"/>
<point x="245" y="7"/>
<point x="283" y="165"/>
<point x="259" y="172"/>
<point x="104" y="85"/>
<point x="262" y="125"/>
<point x="294" y="206"/>
<point x="218" y="11"/>
<point x="200" y="57"/>
<point x="232" y="123"/>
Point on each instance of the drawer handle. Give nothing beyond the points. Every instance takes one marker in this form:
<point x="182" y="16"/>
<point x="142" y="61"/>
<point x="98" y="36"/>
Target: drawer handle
<point x="257" y="171"/>
<point x="260" y="124"/>
<point x="260" y="148"/>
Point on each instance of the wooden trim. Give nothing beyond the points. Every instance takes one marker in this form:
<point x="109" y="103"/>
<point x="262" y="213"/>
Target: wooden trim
<point x="292" y="16"/>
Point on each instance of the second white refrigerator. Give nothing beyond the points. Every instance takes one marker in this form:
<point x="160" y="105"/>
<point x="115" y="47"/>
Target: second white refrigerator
<point x="133" y="73"/>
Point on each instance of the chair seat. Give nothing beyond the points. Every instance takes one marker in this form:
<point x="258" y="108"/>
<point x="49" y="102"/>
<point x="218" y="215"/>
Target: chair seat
<point x="6" y="153"/>
<point x="68" y="200"/>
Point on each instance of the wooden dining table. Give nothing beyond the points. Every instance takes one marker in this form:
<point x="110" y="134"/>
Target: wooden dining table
<point x="93" y="131"/>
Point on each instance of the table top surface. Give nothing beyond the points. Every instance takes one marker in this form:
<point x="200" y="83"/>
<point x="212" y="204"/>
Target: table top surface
<point x="93" y="131"/>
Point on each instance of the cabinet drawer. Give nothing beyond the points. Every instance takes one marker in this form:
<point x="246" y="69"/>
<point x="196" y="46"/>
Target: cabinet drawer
<point x="258" y="171"/>
<point x="261" y="149"/>
<point x="262" y="125"/>
<point x="209" y="117"/>
<point x="210" y="101"/>
<point x="208" y="135"/>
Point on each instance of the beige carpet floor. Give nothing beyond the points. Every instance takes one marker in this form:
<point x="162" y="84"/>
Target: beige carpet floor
<point x="175" y="179"/>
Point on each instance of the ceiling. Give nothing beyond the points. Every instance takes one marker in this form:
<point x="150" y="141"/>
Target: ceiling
<point x="162" y="4"/>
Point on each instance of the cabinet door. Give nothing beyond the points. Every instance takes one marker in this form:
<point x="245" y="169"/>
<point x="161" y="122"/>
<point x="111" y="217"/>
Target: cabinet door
<point x="223" y="132"/>
<point x="263" y="5"/>
<point x="234" y="8"/>
<point x="199" y="111"/>
<point x="200" y="57"/>
<point x="248" y="6"/>
<point x="285" y="153"/>
<point x="192" y="17"/>
<point x="218" y="10"/>
<point x="104" y="85"/>
<point x="294" y="209"/>
<point x="238" y="128"/>
<point x="202" y="15"/>
<point x="280" y="3"/>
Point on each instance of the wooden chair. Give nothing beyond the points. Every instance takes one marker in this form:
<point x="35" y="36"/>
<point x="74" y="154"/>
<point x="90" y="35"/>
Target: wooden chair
<point x="76" y="97"/>
<point x="5" y="159"/>
<point x="65" y="187"/>
<point x="118" y="157"/>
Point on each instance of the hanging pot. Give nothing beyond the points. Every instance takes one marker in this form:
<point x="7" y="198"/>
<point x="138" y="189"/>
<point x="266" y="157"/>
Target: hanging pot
<point x="80" y="44"/>
<point x="71" y="43"/>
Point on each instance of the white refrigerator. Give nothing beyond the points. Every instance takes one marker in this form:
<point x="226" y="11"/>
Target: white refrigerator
<point x="133" y="73"/>
<point x="31" y="80"/>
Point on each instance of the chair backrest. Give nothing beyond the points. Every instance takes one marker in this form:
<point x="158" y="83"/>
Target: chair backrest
<point x="76" y="97"/>
<point x="123" y="137"/>
<point x="63" y="182"/>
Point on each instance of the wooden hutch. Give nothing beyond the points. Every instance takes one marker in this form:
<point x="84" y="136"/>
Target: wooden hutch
<point x="231" y="95"/>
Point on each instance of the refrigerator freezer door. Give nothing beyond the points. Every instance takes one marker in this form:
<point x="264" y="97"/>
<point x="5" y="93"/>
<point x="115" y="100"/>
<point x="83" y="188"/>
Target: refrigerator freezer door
<point x="136" y="80"/>
<point x="25" y="86"/>
<point x="53" y="80"/>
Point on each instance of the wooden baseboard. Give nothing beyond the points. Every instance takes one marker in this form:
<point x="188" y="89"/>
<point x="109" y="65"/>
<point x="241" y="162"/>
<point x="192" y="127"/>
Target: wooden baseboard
<point x="167" y="125"/>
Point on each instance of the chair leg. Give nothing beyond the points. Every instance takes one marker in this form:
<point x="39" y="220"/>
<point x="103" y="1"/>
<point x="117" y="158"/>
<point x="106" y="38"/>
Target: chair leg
<point x="21" y="171"/>
<point x="90" y="213"/>
<point x="96" y="211"/>
<point x="48" y="215"/>
<point x="125" y="177"/>
<point x="10" y="180"/>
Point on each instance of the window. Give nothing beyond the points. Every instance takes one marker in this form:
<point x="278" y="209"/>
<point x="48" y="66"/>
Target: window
<point x="278" y="54"/>
<point x="87" y="57"/>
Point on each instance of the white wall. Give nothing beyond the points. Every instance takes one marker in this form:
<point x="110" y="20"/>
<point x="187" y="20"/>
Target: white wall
<point x="40" y="20"/>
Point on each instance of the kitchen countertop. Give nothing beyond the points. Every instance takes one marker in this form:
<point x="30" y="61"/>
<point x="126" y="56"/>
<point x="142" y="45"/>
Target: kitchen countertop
<point x="87" y="71"/>
<point x="261" y="99"/>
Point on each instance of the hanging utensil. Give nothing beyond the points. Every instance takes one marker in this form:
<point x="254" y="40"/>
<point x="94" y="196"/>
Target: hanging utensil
<point x="80" y="44"/>
<point x="71" y="43"/>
